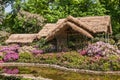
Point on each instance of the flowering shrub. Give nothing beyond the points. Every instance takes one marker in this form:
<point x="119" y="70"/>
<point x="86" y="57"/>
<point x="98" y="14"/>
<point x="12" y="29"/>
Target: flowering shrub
<point x="11" y="56"/>
<point x="11" y="70"/>
<point x="74" y="60"/>
<point x="11" y="52"/>
<point x="36" y="52"/>
<point x="82" y="52"/>
<point x="9" y="48"/>
<point x="100" y="49"/>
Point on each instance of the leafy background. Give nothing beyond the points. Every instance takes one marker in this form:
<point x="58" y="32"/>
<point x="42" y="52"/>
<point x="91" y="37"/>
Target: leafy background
<point x="52" y="10"/>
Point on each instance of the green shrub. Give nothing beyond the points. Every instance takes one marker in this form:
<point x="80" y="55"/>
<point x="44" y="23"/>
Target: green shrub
<point x="74" y="60"/>
<point x="117" y="36"/>
<point x="118" y="44"/>
<point x="26" y="57"/>
<point x="111" y="41"/>
<point x="105" y="66"/>
<point x="49" y="58"/>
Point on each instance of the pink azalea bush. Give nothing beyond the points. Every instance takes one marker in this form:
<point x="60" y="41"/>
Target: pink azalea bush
<point x="9" y="48"/>
<point x="12" y="52"/>
<point x="100" y="49"/>
<point x="82" y="52"/>
<point x="36" y="52"/>
<point x="11" y="56"/>
<point x="11" y="70"/>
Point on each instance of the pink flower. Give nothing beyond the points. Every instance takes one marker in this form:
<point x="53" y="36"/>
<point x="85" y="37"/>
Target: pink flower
<point x="36" y="52"/>
<point x="1" y="61"/>
<point x="11" y="71"/>
<point x="83" y="52"/>
<point x="1" y="54"/>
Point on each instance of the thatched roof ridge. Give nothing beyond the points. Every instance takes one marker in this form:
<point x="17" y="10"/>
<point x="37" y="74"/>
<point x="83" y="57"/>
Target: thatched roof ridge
<point x="97" y="24"/>
<point x="52" y="34"/>
<point x="21" y="38"/>
<point x="79" y="29"/>
<point x="68" y="24"/>
<point x="46" y="30"/>
<point x="79" y="23"/>
<point x="61" y="21"/>
<point x="84" y="25"/>
<point x="50" y="29"/>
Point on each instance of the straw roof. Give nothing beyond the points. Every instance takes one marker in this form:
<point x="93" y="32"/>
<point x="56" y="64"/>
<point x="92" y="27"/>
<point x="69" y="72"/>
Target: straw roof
<point x="84" y="25"/>
<point x="21" y="38"/>
<point x="79" y="29"/>
<point x="87" y="26"/>
<point x="97" y="24"/>
<point x="46" y="30"/>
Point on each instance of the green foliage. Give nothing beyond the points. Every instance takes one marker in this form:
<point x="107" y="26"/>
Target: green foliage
<point x="60" y="9"/>
<point x="26" y="57"/>
<point x="40" y="43"/>
<point x="53" y="10"/>
<point x="47" y="58"/>
<point x="117" y="36"/>
<point x="113" y="9"/>
<point x="118" y="44"/>
<point x="74" y="60"/>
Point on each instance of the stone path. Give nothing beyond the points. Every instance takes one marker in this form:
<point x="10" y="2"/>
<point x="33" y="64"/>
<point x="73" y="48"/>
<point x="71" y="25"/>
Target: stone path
<point x="61" y="68"/>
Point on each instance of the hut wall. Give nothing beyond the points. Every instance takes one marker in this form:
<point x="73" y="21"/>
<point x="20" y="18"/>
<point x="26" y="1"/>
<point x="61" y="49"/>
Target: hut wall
<point x="67" y="36"/>
<point x="61" y="41"/>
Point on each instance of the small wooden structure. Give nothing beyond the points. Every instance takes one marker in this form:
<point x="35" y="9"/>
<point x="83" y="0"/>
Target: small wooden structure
<point x="78" y="29"/>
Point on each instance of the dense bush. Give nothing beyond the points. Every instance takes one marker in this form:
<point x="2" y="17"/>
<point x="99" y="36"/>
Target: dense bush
<point x="100" y="49"/>
<point x="10" y="70"/>
<point x="75" y="60"/>
<point x="26" y="57"/>
<point x="9" y="53"/>
<point x="12" y="52"/>
<point x="97" y="56"/>
<point x="11" y="56"/>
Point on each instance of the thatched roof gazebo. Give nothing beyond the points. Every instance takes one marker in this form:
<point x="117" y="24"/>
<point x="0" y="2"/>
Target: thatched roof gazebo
<point x="85" y="26"/>
<point x="77" y="30"/>
<point x="21" y="38"/>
